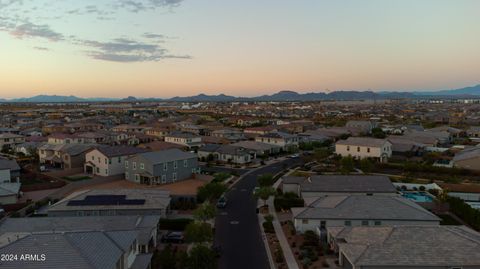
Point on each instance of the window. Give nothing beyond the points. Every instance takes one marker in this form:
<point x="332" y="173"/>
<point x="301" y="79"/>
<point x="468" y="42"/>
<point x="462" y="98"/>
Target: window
<point x="165" y="167"/>
<point x="126" y="175"/>
<point x="106" y="171"/>
<point x="358" y="149"/>
<point x="99" y="161"/>
<point x="126" y="164"/>
<point x="137" y="177"/>
<point x="134" y="165"/>
<point x="348" y="223"/>
<point x="304" y="221"/>
<point x="368" y="149"/>
<point x="185" y="163"/>
<point x="175" y="165"/>
<point x="106" y="160"/>
<point x="174" y="176"/>
<point x="377" y="223"/>
<point x="364" y="222"/>
<point x="93" y="158"/>
<point x="142" y="166"/>
<point x="119" y="159"/>
<point x="164" y="179"/>
<point x="348" y="148"/>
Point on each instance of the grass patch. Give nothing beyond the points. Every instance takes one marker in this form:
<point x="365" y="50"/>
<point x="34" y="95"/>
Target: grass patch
<point x="76" y="178"/>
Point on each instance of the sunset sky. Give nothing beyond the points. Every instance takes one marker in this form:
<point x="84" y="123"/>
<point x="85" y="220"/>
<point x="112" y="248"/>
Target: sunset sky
<point x="165" y="48"/>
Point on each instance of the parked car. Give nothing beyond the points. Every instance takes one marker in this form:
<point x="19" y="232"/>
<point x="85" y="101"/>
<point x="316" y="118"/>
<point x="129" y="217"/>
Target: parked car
<point x="173" y="237"/>
<point x="222" y="202"/>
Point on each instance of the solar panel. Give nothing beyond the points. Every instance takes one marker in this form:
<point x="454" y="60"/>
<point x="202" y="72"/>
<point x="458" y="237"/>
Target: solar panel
<point x="105" y="200"/>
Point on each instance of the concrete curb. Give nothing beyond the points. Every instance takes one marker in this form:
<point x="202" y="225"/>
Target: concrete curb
<point x="265" y="241"/>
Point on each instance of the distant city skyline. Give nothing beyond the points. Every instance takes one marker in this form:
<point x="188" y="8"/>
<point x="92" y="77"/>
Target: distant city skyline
<point x="167" y="48"/>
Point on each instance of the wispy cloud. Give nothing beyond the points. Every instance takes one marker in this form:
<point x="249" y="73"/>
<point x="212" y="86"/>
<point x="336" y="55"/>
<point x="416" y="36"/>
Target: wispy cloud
<point x="137" y="48"/>
<point x="127" y="50"/>
<point x="29" y="29"/>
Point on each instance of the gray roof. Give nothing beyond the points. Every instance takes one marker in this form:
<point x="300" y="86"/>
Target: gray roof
<point x="8" y="164"/>
<point x="364" y="207"/>
<point x="209" y="148"/>
<point x="168" y="155"/>
<point x="253" y="145"/>
<point x="348" y="184"/>
<point x="68" y="250"/>
<point x="466" y="154"/>
<point x="416" y="246"/>
<point x="9" y="188"/>
<point x="363" y="141"/>
<point x="114" y="151"/>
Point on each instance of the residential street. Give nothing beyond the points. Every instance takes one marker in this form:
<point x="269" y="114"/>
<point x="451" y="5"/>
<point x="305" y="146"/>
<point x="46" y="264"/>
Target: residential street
<point x="237" y="230"/>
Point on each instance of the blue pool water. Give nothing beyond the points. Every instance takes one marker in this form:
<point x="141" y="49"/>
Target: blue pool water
<point x="418" y="197"/>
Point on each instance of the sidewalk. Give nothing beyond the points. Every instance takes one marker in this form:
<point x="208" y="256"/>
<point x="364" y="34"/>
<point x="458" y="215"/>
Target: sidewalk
<point x="282" y="239"/>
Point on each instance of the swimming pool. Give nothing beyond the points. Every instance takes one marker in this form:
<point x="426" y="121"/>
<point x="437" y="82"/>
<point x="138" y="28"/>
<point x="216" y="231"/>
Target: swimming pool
<point x="419" y="197"/>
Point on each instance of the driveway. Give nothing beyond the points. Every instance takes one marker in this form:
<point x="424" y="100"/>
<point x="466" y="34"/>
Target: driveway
<point x="236" y="227"/>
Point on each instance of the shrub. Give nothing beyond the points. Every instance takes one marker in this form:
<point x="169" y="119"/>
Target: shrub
<point x="268" y="227"/>
<point x="311" y="238"/>
<point x="174" y="224"/>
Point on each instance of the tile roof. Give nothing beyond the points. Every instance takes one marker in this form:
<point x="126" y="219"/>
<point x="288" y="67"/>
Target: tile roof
<point x="363" y="207"/>
<point x="348" y="184"/>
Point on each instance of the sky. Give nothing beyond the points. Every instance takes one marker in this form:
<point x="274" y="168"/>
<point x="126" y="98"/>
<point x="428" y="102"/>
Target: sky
<point x="166" y="48"/>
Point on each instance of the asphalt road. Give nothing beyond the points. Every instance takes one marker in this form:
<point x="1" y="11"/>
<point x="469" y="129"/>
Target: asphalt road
<point x="236" y="228"/>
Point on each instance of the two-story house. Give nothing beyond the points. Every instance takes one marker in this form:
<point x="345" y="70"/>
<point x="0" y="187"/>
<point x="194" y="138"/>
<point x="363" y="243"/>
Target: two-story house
<point x="364" y="147"/>
<point x="284" y="140"/>
<point x="109" y="160"/>
<point x="184" y="139"/>
<point x="160" y="167"/>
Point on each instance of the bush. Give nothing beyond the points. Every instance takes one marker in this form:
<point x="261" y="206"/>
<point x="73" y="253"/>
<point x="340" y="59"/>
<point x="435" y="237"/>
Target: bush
<point x="279" y="255"/>
<point x="285" y="202"/>
<point x="311" y="238"/>
<point x="174" y="224"/>
<point x="268" y="227"/>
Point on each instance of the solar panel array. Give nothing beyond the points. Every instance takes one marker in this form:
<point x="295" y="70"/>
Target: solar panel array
<point x="105" y="200"/>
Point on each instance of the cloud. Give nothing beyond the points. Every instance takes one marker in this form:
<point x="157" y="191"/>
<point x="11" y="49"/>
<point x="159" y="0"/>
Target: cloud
<point x="128" y="50"/>
<point x="41" y="48"/>
<point x="139" y="5"/>
<point x="29" y="30"/>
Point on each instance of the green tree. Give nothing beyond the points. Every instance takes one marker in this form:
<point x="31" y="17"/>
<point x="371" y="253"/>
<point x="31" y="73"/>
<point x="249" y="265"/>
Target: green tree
<point x="264" y="193"/>
<point x="198" y="232"/>
<point x="265" y="180"/>
<point x="211" y="191"/>
<point x="347" y="164"/>
<point x="166" y="258"/>
<point x="366" y="165"/>
<point x="321" y="153"/>
<point x="202" y="257"/>
<point x="204" y="212"/>
<point x="378" y="133"/>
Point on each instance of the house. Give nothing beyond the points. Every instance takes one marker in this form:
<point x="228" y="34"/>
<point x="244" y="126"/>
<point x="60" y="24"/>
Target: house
<point x="160" y="145"/>
<point x="185" y="139"/>
<point x="470" y="193"/>
<point x="468" y="159"/>
<point x="61" y="139"/>
<point x="66" y="156"/>
<point x="230" y="134"/>
<point x="157" y="132"/>
<point x="403" y="145"/>
<point x="9" y="170"/>
<point x="322" y="185"/>
<point x="160" y="167"/>
<point x="362" y="126"/>
<point x="262" y="130"/>
<point x="259" y="148"/>
<point x="144" y="225"/>
<point x="9" y="192"/>
<point x="112" y="202"/>
<point x="125" y="128"/>
<point x="408" y="247"/>
<point x="284" y="140"/>
<point x="473" y="131"/>
<point x="28" y="148"/>
<point x="9" y="140"/>
<point x="225" y="153"/>
<point x="364" y="147"/>
<point x="84" y="249"/>
<point x="360" y="210"/>
<point x="109" y="160"/>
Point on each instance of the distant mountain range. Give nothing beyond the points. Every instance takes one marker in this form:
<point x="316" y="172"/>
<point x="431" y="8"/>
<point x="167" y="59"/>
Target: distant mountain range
<point x="466" y="92"/>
